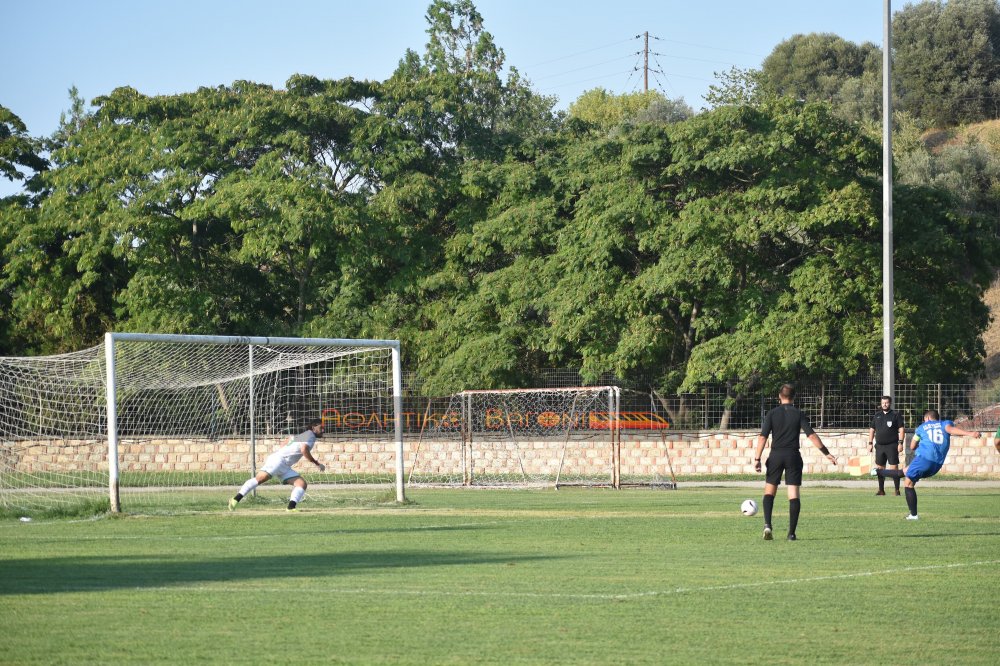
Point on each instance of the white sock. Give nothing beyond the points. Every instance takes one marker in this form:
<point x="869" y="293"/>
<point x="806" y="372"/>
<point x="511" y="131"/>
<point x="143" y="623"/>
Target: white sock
<point x="297" y="494"/>
<point x="248" y="486"/>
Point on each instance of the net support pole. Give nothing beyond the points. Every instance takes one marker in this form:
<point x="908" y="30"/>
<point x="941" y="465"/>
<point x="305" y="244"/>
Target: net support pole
<point x="397" y="407"/>
<point x="616" y="470"/>
<point x="253" y="420"/>
<point x="466" y="406"/>
<point x="111" y="405"/>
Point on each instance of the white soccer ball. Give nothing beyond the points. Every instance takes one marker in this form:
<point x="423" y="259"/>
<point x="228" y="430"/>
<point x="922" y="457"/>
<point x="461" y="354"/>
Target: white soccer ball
<point x="748" y="508"/>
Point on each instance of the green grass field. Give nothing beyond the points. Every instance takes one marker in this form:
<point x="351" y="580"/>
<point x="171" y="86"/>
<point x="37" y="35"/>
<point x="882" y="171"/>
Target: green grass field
<point x="500" y="577"/>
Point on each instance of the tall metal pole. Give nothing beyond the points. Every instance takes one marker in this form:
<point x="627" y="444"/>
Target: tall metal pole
<point x="645" y="64"/>
<point x="888" y="297"/>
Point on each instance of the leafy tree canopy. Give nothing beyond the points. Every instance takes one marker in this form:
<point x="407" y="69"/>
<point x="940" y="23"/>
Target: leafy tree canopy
<point x="605" y="110"/>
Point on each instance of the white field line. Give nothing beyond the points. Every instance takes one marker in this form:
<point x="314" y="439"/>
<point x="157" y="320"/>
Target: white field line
<point x="241" y="537"/>
<point x="243" y="589"/>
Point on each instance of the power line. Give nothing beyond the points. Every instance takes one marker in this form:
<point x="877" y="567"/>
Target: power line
<point x="598" y="64"/>
<point x="680" y="57"/>
<point x="593" y="78"/>
<point x="704" y="46"/>
<point x="643" y="64"/>
<point x="573" y="55"/>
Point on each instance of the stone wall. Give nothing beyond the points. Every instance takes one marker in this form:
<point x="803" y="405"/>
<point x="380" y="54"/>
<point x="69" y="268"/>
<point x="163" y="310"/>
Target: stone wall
<point x="643" y="455"/>
<point x="732" y="453"/>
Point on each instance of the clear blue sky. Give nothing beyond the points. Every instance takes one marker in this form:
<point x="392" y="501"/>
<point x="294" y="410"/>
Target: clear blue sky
<point x="563" y="46"/>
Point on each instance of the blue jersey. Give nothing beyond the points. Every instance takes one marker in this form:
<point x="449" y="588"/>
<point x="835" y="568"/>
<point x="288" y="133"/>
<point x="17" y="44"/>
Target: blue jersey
<point x="933" y="440"/>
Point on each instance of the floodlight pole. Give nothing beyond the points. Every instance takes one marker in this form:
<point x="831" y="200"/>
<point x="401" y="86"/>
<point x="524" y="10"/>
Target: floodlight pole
<point x="888" y="297"/>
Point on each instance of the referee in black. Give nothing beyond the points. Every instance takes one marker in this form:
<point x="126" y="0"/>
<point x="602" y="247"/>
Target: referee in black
<point x="783" y="424"/>
<point x="887" y="433"/>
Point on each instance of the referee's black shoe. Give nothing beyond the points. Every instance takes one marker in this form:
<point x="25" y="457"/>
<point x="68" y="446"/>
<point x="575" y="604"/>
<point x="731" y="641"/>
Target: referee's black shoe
<point x="791" y="536"/>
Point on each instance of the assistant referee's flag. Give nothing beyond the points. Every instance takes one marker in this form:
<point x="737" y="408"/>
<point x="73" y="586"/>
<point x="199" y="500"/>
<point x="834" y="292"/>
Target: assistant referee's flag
<point x="858" y="465"/>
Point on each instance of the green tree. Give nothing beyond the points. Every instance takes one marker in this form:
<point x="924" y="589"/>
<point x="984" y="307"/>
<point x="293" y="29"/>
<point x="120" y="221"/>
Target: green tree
<point x="945" y="61"/>
<point x="604" y="109"/>
<point x="20" y="160"/>
<point x="60" y="285"/>
<point x="825" y="67"/>
<point x="226" y="210"/>
<point x="19" y="152"/>
<point x="744" y="244"/>
<point x="448" y="121"/>
<point x="739" y="87"/>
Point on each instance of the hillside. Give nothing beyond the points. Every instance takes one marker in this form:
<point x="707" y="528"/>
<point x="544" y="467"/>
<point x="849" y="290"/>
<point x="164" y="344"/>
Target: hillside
<point x="992" y="336"/>
<point x="987" y="133"/>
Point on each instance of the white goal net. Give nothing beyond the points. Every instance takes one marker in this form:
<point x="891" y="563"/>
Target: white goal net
<point x="170" y="421"/>
<point x="520" y="438"/>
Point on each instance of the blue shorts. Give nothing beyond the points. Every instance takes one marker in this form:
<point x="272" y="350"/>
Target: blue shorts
<point x="922" y="468"/>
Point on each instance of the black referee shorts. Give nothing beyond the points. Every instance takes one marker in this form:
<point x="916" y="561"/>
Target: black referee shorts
<point x="886" y="454"/>
<point x="787" y="462"/>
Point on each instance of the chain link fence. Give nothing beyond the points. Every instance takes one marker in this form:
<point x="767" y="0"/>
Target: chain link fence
<point x="829" y="405"/>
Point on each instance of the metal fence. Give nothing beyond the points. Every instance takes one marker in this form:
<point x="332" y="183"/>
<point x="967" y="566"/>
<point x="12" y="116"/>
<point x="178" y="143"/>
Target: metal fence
<point x="829" y="405"/>
<point x="836" y="406"/>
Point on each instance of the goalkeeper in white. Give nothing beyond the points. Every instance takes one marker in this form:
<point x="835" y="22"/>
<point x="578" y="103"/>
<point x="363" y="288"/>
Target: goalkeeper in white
<point x="279" y="464"/>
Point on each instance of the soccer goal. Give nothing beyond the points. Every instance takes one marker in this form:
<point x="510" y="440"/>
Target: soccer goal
<point x="521" y="438"/>
<point x="146" y="421"/>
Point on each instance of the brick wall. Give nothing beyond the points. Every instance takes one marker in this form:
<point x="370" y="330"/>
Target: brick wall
<point x="732" y="453"/>
<point x="642" y="455"/>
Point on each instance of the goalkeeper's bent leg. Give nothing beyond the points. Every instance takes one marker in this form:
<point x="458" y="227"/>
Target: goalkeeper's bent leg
<point x="297" y="494"/>
<point x="247" y="488"/>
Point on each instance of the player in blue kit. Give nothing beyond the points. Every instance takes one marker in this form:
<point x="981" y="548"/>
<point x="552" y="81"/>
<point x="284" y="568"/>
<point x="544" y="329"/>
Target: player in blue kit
<point x="931" y="442"/>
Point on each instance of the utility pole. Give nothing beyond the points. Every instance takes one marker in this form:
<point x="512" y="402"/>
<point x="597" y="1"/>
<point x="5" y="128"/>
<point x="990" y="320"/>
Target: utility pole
<point x="645" y="64"/>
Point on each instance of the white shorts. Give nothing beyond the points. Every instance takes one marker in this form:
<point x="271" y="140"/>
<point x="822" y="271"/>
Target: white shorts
<point x="276" y="467"/>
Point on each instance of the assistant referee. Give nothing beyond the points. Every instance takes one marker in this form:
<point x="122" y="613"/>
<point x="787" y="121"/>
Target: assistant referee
<point x="886" y="435"/>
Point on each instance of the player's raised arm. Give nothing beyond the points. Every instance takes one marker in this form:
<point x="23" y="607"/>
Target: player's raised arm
<point x="955" y="430"/>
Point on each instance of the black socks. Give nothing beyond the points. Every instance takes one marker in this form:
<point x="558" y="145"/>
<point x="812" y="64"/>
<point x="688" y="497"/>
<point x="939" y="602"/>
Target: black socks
<point x="768" y="508"/>
<point x="911" y="500"/>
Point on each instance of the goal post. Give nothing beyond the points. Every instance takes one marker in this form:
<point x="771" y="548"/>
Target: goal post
<point x="523" y="438"/>
<point x="149" y="415"/>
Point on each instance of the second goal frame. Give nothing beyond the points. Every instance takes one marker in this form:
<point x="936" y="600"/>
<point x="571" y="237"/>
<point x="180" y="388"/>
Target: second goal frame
<point x="523" y="435"/>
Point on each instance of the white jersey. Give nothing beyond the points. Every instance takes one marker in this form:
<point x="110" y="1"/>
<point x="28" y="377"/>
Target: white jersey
<point x="291" y="453"/>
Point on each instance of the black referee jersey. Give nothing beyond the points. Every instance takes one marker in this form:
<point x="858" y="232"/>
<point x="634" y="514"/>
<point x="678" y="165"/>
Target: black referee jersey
<point x="783" y="424"/>
<point x="886" y="426"/>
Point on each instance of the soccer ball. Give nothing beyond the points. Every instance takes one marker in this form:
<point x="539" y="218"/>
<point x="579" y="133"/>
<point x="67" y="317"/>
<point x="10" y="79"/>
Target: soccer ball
<point x="748" y="508"/>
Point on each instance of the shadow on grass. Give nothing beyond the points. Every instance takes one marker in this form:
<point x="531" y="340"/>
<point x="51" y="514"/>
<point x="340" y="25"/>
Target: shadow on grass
<point x="89" y="574"/>
<point x="948" y="535"/>
<point x="937" y="535"/>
